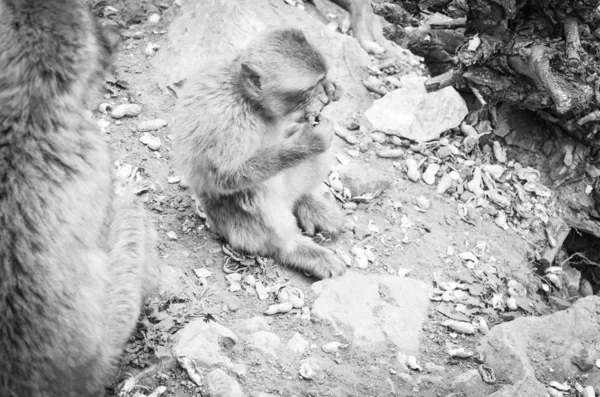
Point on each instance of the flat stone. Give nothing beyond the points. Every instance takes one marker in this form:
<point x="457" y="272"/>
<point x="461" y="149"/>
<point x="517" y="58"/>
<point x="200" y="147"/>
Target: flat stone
<point x="363" y="180"/>
<point x="264" y="341"/>
<point x="222" y="385"/>
<point x="251" y="325"/>
<point x="202" y="341"/>
<point x="412" y="113"/>
<point x="298" y="344"/>
<point x="554" y="340"/>
<point x="389" y="308"/>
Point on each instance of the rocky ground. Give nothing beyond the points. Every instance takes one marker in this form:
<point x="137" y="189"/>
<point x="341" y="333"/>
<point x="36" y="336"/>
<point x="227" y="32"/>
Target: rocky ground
<point x="445" y="220"/>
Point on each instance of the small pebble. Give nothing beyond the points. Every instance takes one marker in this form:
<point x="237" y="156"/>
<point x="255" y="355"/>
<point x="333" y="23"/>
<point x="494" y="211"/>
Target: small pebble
<point x="511" y="303"/>
<point x="411" y="362"/>
<point x="151" y="141"/>
<point x="560" y="386"/>
<point x="589" y="392"/>
<point x="390" y="153"/>
<point x="460" y="326"/>
<point x="412" y="169"/>
<point x="430" y="173"/>
<point x="104" y="108"/>
<point x="103" y="123"/>
<point x="151" y="125"/>
<point x="173" y="180"/>
<point x="172" y="235"/>
<point x="277" y="308"/>
<point x="378" y="137"/>
<point x="460" y="352"/>
<point x="423" y="202"/>
<point x="154" y="19"/>
<point x="351" y="205"/>
<point x="126" y="110"/>
<point x="306" y="371"/>
<point x="333" y="347"/>
<point x="553" y="392"/>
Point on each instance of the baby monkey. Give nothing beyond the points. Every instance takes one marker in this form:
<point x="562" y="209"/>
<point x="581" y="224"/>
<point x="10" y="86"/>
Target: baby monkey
<point x="247" y="142"/>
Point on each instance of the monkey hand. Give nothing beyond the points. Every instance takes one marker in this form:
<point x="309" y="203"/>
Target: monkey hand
<point x="333" y="91"/>
<point x="316" y="138"/>
<point x="324" y="129"/>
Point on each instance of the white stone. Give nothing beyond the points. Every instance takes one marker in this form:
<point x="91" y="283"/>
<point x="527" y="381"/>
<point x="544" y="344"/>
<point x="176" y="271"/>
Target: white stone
<point x="413" y="113"/>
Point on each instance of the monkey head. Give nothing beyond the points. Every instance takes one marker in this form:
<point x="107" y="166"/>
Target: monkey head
<point x="281" y="73"/>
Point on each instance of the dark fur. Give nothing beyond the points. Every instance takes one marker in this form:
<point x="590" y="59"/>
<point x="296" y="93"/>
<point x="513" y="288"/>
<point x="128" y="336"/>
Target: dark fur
<point x="249" y="161"/>
<point x="73" y="255"/>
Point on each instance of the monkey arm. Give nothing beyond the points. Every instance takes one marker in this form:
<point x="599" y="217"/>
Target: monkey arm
<point x="269" y="161"/>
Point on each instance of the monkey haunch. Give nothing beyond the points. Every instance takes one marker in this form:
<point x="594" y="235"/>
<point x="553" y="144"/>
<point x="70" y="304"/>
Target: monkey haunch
<point x="74" y="255"/>
<point x="250" y="155"/>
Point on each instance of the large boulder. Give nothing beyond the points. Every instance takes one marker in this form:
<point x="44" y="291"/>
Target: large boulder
<point x="205" y="29"/>
<point x="526" y="350"/>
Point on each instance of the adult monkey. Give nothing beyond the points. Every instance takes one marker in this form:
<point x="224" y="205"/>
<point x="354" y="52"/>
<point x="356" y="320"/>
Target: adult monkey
<point x="246" y="142"/>
<point x="366" y="26"/>
<point x="76" y="254"/>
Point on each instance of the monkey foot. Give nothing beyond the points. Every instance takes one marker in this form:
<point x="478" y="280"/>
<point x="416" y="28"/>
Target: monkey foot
<point x="332" y="266"/>
<point x="368" y="30"/>
<point x="316" y="216"/>
<point x="313" y="259"/>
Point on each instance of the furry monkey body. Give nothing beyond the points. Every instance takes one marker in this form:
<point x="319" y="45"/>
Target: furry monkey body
<point x="76" y="256"/>
<point x="245" y="146"/>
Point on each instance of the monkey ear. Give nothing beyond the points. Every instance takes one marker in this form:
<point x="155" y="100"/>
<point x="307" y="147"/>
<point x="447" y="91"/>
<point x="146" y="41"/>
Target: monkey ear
<point x="251" y="78"/>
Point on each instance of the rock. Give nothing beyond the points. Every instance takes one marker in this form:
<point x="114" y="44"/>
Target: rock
<point x="233" y="303"/>
<point x="565" y="334"/>
<point x="461" y="327"/>
<point x="363" y="180"/>
<point x="222" y="385"/>
<point x="202" y="29"/>
<point x="154" y="19"/>
<point x="264" y="341"/>
<point x="151" y="141"/>
<point x="553" y="392"/>
<point x="151" y="125"/>
<point x="471" y="384"/>
<point x="253" y="324"/>
<point x="298" y="344"/>
<point x="333" y="347"/>
<point x="412" y="113"/>
<point x="390" y="308"/>
<point x="434" y="368"/>
<point x="309" y="368"/>
<point x="201" y="341"/>
<point x="126" y="110"/>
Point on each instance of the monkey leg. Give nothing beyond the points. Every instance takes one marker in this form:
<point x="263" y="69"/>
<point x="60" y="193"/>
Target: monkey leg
<point x="315" y="214"/>
<point x="264" y="224"/>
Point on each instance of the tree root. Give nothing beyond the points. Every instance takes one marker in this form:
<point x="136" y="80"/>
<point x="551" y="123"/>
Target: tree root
<point x="537" y="67"/>
<point x="573" y="42"/>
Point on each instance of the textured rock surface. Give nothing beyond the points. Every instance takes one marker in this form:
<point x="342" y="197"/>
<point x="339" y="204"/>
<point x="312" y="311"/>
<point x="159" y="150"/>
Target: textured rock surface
<point x="413" y="113"/>
<point x="370" y="309"/>
<point x="522" y="349"/>
<point x="194" y="37"/>
<point x="201" y="341"/>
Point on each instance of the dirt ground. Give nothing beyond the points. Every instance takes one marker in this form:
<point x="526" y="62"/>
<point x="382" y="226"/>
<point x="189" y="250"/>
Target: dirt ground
<point x="353" y="372"/>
